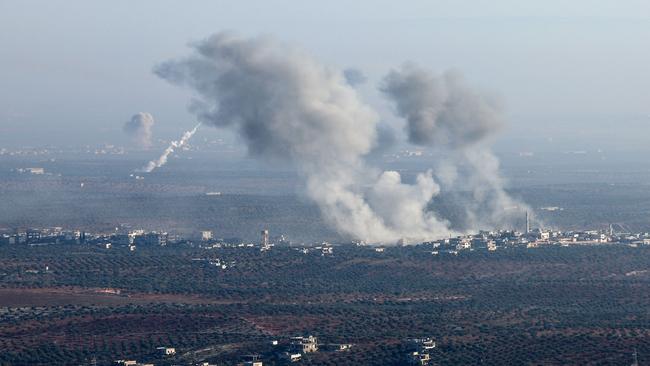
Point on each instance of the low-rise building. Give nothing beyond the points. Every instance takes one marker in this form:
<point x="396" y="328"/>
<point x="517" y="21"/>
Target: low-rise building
<point x="151" y="239"/>
<point x="251" y="360"/>
<point x="418" y="358"/>
<point x="131" y="363"/>
<point x="166" y="351"/>
<point x="206" y="235"/>
<point x="291" y="356"/>
<point x="304" y="344"/>
<point x="426" y="343"/>
<point x="126" y="362"/>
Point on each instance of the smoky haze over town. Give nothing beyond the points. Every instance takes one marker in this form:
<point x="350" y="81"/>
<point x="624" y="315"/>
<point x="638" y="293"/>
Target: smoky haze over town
<point x="273" y="183"/>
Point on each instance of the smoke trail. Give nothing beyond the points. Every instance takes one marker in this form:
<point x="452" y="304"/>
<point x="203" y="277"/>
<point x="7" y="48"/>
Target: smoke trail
<point x="443" y="112"/>
<point x="139" y="127"/>
<point x="288" y="107"/>
<point x="162" y="160"/>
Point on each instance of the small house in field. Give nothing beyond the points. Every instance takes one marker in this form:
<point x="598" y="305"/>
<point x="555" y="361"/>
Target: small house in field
<point x="166" y="351"/>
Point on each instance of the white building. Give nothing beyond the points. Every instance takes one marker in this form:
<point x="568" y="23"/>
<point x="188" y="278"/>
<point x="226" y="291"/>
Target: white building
<point x="304" y="344"/>
<point x="206" y="235"/>
<point x="166" y="351"/>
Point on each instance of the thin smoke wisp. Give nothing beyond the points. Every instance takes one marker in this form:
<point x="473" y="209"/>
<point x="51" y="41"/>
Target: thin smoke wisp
<point x="162" y="160"/>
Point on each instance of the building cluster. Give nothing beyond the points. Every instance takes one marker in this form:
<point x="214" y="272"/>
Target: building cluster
<point x="162" y="351"/>
<point x="420" y="351"/>
<point x="324" y="249"/>
<point x="136" y="363"/>
<point x="533" y="238"/>
<point x="102" y="149"/>
<point x="57" y="235"/>
<point x="286" y="351"/>
<point x="131" y="363"/>
<point x="484" y="240"/>
<point x="299" y="346"/>
<point x="139" y="238"/>
<point x="51" y="235"/>
<point x="207" y="240"/>
<point x="37" y="171"/>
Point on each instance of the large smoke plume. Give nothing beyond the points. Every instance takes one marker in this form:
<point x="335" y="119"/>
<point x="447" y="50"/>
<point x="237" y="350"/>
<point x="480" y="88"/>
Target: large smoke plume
<point x="139" y="128"/>
<point x="288" y="107"/>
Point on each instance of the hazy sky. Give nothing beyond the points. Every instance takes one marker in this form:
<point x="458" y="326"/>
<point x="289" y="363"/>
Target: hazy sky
<point x="569" y="71"/>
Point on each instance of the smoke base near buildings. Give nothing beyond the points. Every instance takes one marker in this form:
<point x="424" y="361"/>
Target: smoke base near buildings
<point x="288" y="107"/>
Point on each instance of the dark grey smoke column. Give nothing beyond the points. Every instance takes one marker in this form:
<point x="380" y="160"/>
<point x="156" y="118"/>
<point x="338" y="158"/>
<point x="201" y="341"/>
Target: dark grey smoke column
<point x="441" y="110"/>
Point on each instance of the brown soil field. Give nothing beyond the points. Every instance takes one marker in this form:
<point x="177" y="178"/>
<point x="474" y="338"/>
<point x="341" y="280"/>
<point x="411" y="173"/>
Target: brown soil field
<point x="60" y="296"/>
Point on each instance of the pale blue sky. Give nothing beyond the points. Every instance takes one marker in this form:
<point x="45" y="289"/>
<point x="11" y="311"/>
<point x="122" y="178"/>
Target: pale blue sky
<point x="577" y="70"/>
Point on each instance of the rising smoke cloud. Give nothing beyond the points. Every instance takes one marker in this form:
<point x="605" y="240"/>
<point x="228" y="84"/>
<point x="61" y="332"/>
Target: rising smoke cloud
<point x="444" y="113"/>
<point x="288" y="107"/>
<point x="441" y="110"/>
<point x="162" y="159"/>
<point x="139" y="128"/>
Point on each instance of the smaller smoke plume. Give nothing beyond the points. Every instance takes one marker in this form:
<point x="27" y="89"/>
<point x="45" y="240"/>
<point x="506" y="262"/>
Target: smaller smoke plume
<point x="446" y="114"/>
<point x="354" y="77"/>
<point x="441" y="111"/>
<point x="162" y="160"/>
<point x="139" y="128"/>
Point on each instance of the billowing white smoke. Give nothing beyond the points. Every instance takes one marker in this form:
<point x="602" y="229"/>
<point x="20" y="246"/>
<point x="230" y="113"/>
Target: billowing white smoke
<point x="286" y="106"/>
<point x="444" y="113"/>
<point x="162" y="160"/>
<point x="139" y="128"/>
